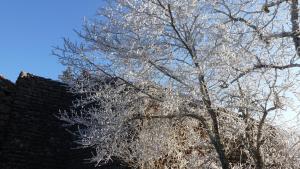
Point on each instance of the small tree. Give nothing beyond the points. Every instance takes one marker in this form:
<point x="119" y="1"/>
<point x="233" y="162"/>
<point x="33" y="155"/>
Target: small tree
<point x="194" y="83"/>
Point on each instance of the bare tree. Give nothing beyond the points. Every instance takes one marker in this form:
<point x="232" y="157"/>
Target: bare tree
<point x="193" y="83"/>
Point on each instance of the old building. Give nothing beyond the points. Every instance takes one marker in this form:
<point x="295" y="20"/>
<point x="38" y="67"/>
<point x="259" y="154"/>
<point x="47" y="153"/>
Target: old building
<point x="31" y="135"/>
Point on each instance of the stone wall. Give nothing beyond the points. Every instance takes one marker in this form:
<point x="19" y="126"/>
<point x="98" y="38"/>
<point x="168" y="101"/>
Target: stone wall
<point x="31" y="135"/>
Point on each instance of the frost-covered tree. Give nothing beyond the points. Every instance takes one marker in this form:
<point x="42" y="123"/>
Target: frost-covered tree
<point x="187" y="84"/>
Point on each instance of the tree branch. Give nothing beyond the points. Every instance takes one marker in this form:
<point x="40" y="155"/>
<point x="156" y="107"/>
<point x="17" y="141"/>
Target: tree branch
<point x="295" y="25"/>
<point x="264" y="66"/>
<point x="168" y="73"/>
<point x="271" y="4"/>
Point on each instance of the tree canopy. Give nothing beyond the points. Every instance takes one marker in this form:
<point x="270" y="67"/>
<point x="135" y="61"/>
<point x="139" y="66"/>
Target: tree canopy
<point x="187" y="84"/>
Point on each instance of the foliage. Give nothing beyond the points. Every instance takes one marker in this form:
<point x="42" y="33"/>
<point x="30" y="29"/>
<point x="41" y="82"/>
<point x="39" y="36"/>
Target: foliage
<point x="187" y="84"/>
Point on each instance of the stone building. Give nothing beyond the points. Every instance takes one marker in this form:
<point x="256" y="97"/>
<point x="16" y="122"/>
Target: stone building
<point x="31" y="135"/>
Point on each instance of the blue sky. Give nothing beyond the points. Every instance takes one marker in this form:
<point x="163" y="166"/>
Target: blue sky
<point x="30" y="28"/>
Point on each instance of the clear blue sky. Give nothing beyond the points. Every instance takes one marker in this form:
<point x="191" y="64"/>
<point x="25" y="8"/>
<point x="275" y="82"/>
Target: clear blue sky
<point x="29" y="29"/>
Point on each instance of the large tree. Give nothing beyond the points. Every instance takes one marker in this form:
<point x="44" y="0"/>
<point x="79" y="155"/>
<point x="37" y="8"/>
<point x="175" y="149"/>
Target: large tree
<point x="187" y="84"/>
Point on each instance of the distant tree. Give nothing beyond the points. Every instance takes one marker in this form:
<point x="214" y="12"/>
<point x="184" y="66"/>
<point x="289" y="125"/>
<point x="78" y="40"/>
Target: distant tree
<point x="194" y="83"/>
